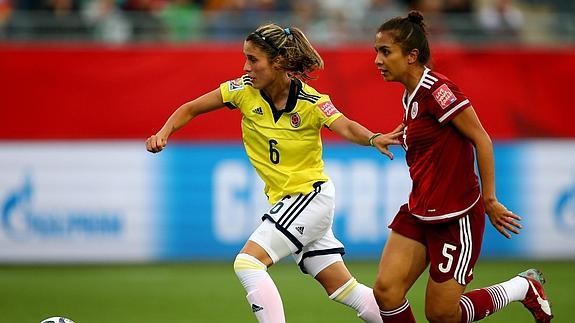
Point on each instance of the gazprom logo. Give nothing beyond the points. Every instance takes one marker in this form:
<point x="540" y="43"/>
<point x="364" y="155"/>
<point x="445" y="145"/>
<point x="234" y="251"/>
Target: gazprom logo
<point x="22" y="220"/>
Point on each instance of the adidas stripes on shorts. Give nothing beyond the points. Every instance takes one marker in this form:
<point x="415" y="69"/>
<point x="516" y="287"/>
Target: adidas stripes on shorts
<point x="453" y="247"/>
<point x="303" y="221"/>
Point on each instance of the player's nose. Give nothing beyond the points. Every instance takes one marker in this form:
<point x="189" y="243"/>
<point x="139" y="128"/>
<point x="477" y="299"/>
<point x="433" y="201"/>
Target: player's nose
<point x="378" y="60"/>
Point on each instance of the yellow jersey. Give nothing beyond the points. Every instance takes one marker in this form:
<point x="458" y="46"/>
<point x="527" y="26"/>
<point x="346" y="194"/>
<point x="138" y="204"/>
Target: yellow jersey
<point x="283" y="146"/>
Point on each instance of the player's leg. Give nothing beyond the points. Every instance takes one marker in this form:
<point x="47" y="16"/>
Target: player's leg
<point x="318" y="251"/>
<point x="403" y="260"/>
<point x="264" y="248"/>
<point x="453" y="249"/>
<point x="442" y="301"/>
<point x="280" y="234"/>
<point x="527" y="287"/>
<point x="322" y="260"/>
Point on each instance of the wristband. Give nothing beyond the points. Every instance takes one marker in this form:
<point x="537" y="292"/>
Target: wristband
<point x="373" y="137"/>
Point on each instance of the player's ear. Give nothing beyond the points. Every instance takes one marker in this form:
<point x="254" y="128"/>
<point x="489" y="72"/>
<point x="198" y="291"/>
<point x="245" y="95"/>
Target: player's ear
<point x="412" y="56"/>
<point x="276" y="62"/>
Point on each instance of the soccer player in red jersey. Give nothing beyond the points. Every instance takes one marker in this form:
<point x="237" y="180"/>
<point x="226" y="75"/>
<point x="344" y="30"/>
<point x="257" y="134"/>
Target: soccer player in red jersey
<point x="442" y="224"/>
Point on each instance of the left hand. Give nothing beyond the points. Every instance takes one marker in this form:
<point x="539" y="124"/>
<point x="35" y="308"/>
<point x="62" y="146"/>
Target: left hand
<point x="382" y="142"/>
<point x="502" y="219"/>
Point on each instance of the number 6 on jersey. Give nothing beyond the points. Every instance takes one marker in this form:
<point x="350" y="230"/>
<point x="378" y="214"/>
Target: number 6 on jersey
<point x="274" y="153"/>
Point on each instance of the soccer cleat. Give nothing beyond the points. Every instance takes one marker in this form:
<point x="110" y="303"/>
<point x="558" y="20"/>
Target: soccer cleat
<point x="535" y="300"/>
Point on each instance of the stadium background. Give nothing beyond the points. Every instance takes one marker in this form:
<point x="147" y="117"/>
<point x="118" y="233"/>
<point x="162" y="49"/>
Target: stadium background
<point x="95" y="228"/>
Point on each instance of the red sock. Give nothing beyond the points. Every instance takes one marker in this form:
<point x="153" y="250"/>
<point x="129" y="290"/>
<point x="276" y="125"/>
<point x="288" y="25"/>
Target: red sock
<point x="401" y="314"/>
<point x="479" y="303"/>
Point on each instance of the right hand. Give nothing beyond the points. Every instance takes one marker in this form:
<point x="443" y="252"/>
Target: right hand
<point x="383" y="142"/>
<point x="501" y="218"/>
<point x="156" y="143"/>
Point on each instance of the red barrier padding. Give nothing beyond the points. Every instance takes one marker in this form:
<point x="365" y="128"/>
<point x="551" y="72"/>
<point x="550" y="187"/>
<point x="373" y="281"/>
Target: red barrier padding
<point x="98" y="92"/>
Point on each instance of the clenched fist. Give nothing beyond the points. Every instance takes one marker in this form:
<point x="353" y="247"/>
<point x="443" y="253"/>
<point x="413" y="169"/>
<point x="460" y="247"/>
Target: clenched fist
<point x="156" y="143"/>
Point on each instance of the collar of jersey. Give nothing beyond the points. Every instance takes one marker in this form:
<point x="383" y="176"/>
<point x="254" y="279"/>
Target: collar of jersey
<point x="294" y="89"/>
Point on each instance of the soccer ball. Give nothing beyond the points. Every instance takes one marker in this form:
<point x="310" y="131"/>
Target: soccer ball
<point x="57" y="319"/>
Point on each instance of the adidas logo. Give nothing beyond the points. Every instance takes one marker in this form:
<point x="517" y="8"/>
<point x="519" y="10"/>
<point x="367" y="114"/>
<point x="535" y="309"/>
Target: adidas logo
<point x="256" y="308"/>
<point x="259" y="111"/>
<point x="299" y="229"/>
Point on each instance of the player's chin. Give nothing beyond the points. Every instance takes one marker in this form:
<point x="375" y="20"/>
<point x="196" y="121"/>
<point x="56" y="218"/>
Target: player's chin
<point x="387" y="77"/>
<point x="255" y="84"/>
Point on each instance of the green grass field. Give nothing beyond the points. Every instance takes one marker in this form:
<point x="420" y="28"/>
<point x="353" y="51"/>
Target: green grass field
<point x="200" y="292"/>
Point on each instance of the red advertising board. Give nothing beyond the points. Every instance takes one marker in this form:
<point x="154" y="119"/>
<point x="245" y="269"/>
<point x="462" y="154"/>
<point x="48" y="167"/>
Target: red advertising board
<point x="98" y="92"/>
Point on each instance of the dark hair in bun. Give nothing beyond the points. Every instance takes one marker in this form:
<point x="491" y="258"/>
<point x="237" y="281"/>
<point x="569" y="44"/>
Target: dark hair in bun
<point x="409" y="32"/>
<point x="416" y="17"/>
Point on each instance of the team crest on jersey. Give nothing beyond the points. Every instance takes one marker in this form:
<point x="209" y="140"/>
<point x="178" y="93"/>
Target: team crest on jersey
<point x="328" y="108"/>
<point x="236" y="84"/>
<point x="295" y="120"/>
<point x="414" y="110"/>
<point x="444" y="96"/>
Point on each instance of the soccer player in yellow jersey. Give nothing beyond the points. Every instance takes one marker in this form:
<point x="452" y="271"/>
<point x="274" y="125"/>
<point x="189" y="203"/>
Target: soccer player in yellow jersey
<point x="282" y="118"/>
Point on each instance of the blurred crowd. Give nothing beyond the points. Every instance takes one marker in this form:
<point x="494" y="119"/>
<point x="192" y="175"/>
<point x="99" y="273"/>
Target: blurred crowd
<point x="327" y="21"/>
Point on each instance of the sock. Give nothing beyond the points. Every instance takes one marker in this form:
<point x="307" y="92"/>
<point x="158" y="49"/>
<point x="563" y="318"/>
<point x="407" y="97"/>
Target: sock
<point x="360" y="298"/>
<point x="401" y="314"/>
<point x="262" y="293"/>
<point x="479" y="303"/>
<point x="516" y="288"/>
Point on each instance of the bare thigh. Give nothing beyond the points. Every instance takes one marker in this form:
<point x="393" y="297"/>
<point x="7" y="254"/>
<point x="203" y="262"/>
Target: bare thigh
<point x="402" y="262"/>
<point x="255" y="250"/>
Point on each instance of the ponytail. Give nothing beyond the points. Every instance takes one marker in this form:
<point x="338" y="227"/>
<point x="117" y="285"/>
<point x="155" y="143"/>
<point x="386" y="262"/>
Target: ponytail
<point x="298" y="57"/>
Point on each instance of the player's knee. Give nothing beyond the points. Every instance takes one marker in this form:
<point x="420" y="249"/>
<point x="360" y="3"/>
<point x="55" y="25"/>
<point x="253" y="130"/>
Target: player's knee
<point x="388" y="294"/>
<point x="245" y="262"/>
<point x="438" y="314"/>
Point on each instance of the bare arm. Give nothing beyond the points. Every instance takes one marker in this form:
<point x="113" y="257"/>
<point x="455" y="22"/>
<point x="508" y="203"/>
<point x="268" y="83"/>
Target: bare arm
<point x="185" y="113"/>
<point x="502" y="219"/>
<point x="360" y="135"/>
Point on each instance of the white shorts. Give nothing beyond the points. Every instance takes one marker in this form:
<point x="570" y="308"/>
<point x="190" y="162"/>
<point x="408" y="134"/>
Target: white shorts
<point x="303" y="224"/>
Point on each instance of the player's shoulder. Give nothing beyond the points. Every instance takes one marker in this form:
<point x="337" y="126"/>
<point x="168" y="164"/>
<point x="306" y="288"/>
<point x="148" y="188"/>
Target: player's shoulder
<point x="443" y="91"/>
<point x="433" y="80"/>
<point x="437" y="85"/>
<point x="242" y="83"/>
<point x="308" y="94"/>
<point x="311" y="99"/>
<point x="317" y="102"/>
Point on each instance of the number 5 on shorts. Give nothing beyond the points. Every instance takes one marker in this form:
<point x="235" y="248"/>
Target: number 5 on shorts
<point x="447" y="248"/>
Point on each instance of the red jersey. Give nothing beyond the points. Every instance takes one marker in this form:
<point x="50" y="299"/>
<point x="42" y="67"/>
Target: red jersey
<point x="440" y="159"/>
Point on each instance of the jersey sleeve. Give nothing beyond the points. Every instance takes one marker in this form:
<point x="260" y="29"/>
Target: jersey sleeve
<point x="326" y="111"/>
<point x="447" y="102"/>
<point x="233" y="91"/>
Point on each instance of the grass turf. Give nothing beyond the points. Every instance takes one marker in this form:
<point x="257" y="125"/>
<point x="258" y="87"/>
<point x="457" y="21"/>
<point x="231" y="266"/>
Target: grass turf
<point x="210" y="292"/>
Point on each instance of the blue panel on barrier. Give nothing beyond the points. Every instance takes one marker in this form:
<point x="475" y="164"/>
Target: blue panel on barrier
<point x="210" y="198"/>
<point x="510" y="188"/>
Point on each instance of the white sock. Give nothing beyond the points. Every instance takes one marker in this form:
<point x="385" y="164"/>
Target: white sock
<point x="360" y="298"/>
<point x="516" y="288"/>
<point x="262" y="293"/>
